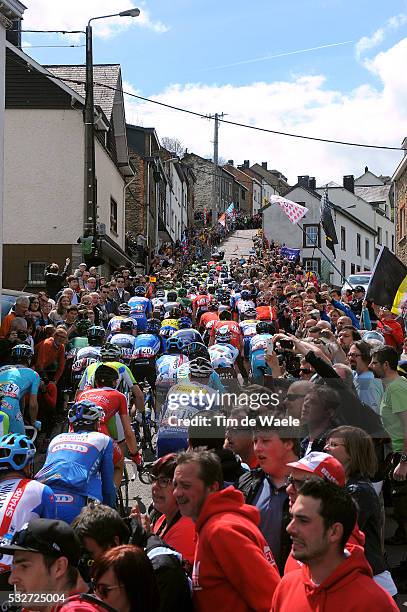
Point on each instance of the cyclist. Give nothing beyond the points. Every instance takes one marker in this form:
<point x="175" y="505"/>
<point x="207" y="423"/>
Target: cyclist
<point x="225" y="322"/>
<point x="167" y="366"/>
<point x="126" y="338"/>
<point x="96" y="337"/>
<point x="185" y="322"/>
<point x="201" y="302"/>
<point x="184" y="300"/>
<point x="115" y="323"/>
<point x="210" y="315"/>
<point x="244" y="303"/>
<point x="110" y="355"/>
<point x="248" y="327"/>
<point x="113" y="402"/>
<point x="257" y="350"/>
<point x="172" y="300"/>
<point x="223" y="354"/>
<point x="184" y="400"/>
<point x="159" y="298"/>
<point x="172" y="317"/>
<point x="82" y="327"/>
<point x="21" y="497"/>
<point x="141" y="307"/>
<point x="147" y="347"/>
<point x="79" y="464"/>
<point x="17" y="381"/>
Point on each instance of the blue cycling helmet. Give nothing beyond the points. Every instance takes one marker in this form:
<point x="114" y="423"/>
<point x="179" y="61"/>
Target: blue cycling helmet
<point x="96" y="332"/>
<point x="153" y="326"/>
<point x="22" y="352"/>
<point x="140" y="291"/>
<point x="245" y="295"/>
<point x="175" y="346"/>
<point x="16" y="451"/>
<point x="85" y="412"/>
<point x="184" y="323"/>
<point x="167" y="331"/>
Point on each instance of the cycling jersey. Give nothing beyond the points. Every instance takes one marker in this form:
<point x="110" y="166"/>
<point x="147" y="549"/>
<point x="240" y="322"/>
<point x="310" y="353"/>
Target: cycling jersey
<point x="201" y="301"/>
<point x="259" y="342"/>
<point x="207" y="317"/>
<point x="223" y="355"/>
<point x="146" y="346"/>
<point x="170" y="305"/>
<point x="79" y="466"/>
<point x="230" y="326"/>
<point x="158" y="301"/>
<point x="172" y="433"/>
<point x="243" y="305"/>
<point x="188" y="335"/>
<point x="248" y="328"/>
<point x="141" y="308"/>
<point x="114" y="325"/>
<point x="166" y="367"/>
<point x="21" y="500"/>
<point x="126" y="341"/>
<point x="112" y="402"/>
<point x="15" y="382"/>
<point x="76" y="343"/>
<point x="88" y="351"/>
<point x="173" y="323"/>
<point x="126" y="378"/>
<point x="214" y="382"/>
<point x="234" y="299"/>
<point x="266" y="313"/>
<point x="258" y="345"/>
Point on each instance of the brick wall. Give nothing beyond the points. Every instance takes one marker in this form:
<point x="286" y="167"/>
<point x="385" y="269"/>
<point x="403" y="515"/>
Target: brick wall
<point x="204" y="171"/>
<point x="401" y="204"/>
<point x="135" y="197"/>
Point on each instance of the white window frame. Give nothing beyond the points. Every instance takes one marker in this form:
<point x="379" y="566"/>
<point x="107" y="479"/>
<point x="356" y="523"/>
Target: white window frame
<point x="35" y="282"/>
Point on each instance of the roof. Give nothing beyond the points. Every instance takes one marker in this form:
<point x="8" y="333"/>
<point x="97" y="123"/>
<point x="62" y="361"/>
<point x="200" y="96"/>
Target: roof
<point x="12" y="8"/>
<point x="108" y="74"/>
<point x="271" y="178"/>
<point x="376" y="193"/>
<point x="400" y="168"/>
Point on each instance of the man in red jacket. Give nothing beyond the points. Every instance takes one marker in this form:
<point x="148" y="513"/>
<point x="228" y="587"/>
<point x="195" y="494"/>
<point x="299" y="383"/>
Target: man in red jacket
<point x="234" y="568"/>
<point x="331" y="577"/>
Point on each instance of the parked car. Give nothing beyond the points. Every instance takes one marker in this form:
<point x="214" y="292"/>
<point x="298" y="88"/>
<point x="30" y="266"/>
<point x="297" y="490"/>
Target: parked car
<point x="361" y="278"/>
<point x="8" y="299"/>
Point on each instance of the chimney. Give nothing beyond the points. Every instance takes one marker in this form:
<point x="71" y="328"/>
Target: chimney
<point x="246" y="163"/>
<point x="349" y="182"/>
<point x="230" y="162"/>
<point x="312" y="183"/>
<point x="264" y="165"/>
<point x="404" y="146"/>
<point x="303" y="181"/>
<point x="366" y="169"/>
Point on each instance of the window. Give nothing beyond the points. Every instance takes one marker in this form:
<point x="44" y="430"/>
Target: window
<point x="243" y="194"/>
<point x="343" y="268"/>
<point x="387" y="238"/>
<point x="402" y="223"/>
<point x="358" y="244"/>
<point x="36" y="271"/>
<point x="343" y="239"/>
<point x="392" y="243"/>
<point x="312" y="265"/>
<point x="312" y="236"/>
<point x="367" y="249"/>
<point x="352" y="268"/>
<point x="379" y="235"/>
<point x="357" y="268"/>
<point x="113" y="216"/>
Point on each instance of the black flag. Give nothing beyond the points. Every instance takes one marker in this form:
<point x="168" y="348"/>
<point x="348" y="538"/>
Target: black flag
<point x="388" y="276"/>
<point x="328" y="224"/>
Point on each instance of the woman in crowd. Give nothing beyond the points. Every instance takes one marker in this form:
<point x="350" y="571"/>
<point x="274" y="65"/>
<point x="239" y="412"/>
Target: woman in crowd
<point x="354" y="448"/>
<point x="58" y="314"/>
<point x="124" y="579"/>
<point x="34" y="308"/>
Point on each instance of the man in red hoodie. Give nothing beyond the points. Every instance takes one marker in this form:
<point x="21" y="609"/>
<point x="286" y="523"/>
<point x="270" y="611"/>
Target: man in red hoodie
<point x="331" y="577"/>
<point x="234" y="568"/>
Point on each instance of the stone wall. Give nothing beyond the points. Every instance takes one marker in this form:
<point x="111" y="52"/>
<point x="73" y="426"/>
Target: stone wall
<point x="401" y="204"/>
<point x="204" y="171"/>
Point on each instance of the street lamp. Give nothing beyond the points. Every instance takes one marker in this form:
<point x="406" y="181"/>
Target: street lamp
<point x="90" y="201"/>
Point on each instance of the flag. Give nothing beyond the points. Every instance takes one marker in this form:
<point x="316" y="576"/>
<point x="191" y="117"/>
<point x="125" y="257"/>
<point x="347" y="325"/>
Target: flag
<point x="290" y="254"/>
<point x="388" y="286"/>
<point x="328" y="223"/>
<point x="230" y="211"/>
<point x="222" y="219"/>
<point x="295" y="212"/>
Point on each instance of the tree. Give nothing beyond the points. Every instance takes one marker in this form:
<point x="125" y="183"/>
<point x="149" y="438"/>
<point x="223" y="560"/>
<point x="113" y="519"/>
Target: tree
<point x="173" y="145"/>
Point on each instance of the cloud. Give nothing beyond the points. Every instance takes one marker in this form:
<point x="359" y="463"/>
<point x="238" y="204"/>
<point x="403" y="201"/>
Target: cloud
<point x="370" y="42"/>
<point x="54" y="15"/>
<point x="301" y="104"/>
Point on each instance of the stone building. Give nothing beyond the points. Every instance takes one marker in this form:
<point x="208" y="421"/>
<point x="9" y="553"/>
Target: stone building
<point x="400" y="198"/>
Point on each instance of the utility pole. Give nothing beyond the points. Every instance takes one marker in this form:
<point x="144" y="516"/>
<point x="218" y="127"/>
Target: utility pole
<point x="216" y="189"/>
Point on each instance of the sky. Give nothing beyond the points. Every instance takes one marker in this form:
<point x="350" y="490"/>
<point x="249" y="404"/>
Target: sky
<point x="333" y="69"/>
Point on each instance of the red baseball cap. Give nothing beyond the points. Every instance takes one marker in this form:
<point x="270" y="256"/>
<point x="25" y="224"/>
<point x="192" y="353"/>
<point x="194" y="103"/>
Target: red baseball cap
<point x="323" y="465"/>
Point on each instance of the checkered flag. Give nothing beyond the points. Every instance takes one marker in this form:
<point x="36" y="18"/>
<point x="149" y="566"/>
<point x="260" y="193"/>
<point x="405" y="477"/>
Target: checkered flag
<point x="295" y="212"/>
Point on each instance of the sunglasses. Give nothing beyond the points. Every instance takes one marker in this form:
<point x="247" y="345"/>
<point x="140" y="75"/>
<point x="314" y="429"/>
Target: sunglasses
<point x="294" y="481"/>
<point x="162" y="481"/>
<point x="305" y="370"/>
<point x="103" y="590"/>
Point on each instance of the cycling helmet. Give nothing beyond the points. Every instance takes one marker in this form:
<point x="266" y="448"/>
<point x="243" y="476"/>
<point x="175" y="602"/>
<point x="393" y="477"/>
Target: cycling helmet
<point x="185" y="323"/>
<point x="127" y="326"/>
<point x="175" y="346"/>
<point x="197" y="349"/>
<point x="124" y="309"/>
<point x="250" y="313"/>
<point x="22" y="352"/>
<point x="16" y="451"/>
<point x="223" y="336"/>
<point x="82" y="326"/>
<point x="110" y="352"/>
<point x="96" y="332"/>
<point x="172" y="296"/>
<point x="200" y="368"/>
<point x="85" y="412"/>
<point x="245" y="295"/>
<point x="263" y="327"/>
<point x="140" y="291"/>
<point x="153" y="326"/>
<point x="160" y="293"/>
<point x="175" y="313"/>
<point x="182" y="292"/>
<point x="213" y="306"/>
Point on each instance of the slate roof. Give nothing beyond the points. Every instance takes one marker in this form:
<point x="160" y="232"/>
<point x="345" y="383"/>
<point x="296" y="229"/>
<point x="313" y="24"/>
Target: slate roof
<point x="375" y="193"/>
<point x="107" y="74"/>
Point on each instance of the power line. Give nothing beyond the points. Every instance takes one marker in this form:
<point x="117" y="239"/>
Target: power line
<point x="48" y="46"/>
<point x="235" y="123"/>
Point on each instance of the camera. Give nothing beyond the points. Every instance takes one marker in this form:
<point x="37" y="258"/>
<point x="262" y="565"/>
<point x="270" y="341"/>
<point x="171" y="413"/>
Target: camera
<point x="286" y="344"/>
